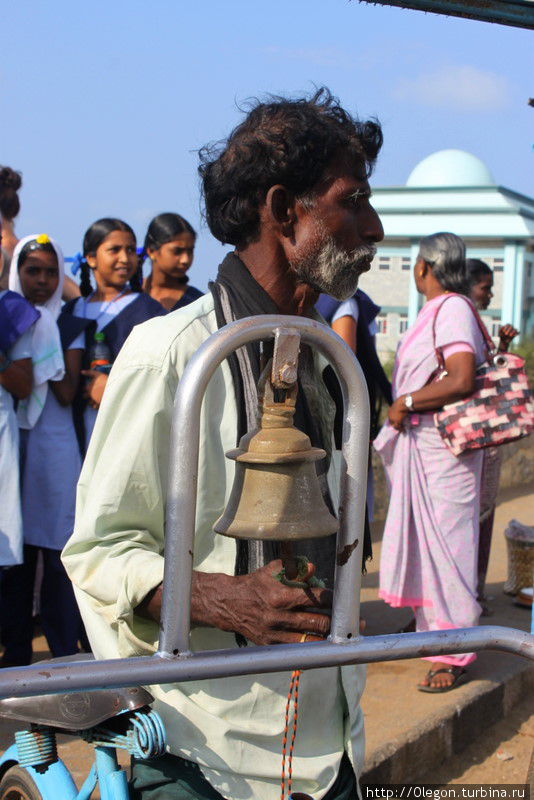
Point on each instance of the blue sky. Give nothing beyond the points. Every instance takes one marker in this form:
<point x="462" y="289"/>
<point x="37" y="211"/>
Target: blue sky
<point x="103" y="104"/>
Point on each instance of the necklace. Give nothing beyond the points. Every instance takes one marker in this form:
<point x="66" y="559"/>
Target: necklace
<point x="87" y="300"/>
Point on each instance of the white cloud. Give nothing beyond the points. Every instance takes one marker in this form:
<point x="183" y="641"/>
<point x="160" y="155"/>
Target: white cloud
<point x="456" y="87"/>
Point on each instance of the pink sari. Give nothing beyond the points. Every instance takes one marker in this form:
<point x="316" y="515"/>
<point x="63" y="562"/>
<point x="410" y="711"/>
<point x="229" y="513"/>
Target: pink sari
<point x="430" y="544"/>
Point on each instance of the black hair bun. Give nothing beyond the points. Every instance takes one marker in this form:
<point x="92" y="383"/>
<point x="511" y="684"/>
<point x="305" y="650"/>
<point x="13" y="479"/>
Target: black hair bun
<point x="10" y="183"/>
<point x="9" y="179"/>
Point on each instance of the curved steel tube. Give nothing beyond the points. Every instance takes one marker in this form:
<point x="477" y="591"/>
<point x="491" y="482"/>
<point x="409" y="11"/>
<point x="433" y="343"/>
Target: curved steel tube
<point x="183" y="474"/>
<point x="174" y="663"/>
<point x="49" y="678"/>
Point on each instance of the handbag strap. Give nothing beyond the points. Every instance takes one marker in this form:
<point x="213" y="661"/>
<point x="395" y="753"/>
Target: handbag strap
<point x="490" y="347"/>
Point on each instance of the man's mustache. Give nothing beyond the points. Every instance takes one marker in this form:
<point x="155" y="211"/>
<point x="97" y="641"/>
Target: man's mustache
<point x="363" y="251"/>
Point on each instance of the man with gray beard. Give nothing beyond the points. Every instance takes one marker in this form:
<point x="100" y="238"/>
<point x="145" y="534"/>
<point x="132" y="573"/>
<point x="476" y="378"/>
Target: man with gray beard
<point x="289" y="190"/>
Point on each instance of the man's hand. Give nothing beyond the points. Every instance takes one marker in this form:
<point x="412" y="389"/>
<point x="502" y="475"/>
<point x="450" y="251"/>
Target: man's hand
<point x="257" y="606"/>
<point x="261" y="608"/>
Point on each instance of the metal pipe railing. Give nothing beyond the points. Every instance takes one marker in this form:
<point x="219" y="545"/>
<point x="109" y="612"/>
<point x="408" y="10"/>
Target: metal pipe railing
<point x="74" y="676"/>
<point x="182" y="486"/>
<point x="173" y="662"/>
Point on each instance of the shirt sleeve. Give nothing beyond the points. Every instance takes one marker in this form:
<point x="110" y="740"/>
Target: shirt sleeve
<point x="115" y="555"/>
<point x="349" y="308"/>
<point x="457" y="330"/>
<point x="78" y="343"/>
<point x="460" y="347"/>
<point x="22" y="347"/>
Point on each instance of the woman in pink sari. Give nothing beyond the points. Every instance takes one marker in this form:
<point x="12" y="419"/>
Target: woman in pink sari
<point x="430" y="544"/>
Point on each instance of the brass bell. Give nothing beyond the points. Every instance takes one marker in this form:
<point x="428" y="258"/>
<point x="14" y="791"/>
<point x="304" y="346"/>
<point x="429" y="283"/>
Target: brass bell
<point x="276" y="492"/>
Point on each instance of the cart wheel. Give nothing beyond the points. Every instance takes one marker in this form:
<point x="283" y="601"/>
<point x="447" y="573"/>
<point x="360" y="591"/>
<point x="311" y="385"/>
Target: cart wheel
<point x="18" y="785"/>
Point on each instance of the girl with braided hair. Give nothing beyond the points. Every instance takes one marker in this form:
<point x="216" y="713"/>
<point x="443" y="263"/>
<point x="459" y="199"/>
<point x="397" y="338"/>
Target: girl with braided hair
<point x="112" y="302"/>
<point x="170" y="244"/>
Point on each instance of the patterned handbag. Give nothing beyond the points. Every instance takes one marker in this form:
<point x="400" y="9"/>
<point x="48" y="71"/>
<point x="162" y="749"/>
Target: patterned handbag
<point x="500" y="410"/>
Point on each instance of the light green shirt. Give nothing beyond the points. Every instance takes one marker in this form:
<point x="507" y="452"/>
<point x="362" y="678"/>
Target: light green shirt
<point x="231" y="727"/>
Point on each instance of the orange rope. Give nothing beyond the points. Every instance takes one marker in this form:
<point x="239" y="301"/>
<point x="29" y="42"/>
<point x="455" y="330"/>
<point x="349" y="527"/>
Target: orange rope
<point x="295" y="719"/>
<point x="293" y="694"/>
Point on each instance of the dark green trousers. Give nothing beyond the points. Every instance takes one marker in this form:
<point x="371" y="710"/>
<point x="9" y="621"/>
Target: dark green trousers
<point x="173" y="778"/>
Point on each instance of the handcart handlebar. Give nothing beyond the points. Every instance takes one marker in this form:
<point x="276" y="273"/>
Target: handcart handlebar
<point x="174" y="662"/>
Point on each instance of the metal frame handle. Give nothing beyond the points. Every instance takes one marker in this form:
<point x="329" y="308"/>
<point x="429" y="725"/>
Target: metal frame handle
<point x="174" y="662"/>
<point x="183" y="473"/>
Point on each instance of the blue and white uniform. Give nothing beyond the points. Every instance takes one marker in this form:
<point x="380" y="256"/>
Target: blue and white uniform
<point x="10" y="511"/>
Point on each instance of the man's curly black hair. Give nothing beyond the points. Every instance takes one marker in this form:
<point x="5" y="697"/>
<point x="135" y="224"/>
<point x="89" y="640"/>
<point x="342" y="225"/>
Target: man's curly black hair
<point x="290" y="142"/>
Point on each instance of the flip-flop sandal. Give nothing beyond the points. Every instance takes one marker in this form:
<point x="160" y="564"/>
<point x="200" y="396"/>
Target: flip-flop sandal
<point x="459" y="673"/>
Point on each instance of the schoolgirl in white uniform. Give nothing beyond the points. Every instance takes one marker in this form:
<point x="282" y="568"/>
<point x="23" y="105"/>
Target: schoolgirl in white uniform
<point x="50" y="464"/>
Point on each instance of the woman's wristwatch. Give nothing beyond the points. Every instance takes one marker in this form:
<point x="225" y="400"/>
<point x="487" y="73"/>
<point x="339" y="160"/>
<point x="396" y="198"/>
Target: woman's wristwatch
<point x="408" y="403"/>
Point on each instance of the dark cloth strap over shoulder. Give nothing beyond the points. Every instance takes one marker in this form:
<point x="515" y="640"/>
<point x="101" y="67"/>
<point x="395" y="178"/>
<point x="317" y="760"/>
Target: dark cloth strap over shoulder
<point x="367" y="355"/>
<point x="16" y="317"/>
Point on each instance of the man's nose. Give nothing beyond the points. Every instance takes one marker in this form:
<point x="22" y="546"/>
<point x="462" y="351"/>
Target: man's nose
<point x="373" y="230"/>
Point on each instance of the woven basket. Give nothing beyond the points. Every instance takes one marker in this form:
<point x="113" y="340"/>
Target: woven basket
<point x="520" y="565"/>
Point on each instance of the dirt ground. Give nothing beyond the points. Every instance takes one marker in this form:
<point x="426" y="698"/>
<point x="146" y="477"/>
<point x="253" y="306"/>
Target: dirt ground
<point x="501" y="755"/>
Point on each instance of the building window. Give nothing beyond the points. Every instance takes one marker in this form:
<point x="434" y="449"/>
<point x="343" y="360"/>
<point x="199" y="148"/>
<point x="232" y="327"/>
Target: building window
<point x="405" y="263"/>
<point x="403" y="323"/>
<point x="383" y="262"/>
<point x="495" y="328"/>
<point x="382" y="322"/>
<point x="498" y="264"/>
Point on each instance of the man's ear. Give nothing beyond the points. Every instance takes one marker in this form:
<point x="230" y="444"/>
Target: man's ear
<point x="280" y="207"/>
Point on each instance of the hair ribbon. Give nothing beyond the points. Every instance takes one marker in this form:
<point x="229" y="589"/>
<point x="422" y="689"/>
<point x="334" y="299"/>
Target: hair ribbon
<point x="77" y="262"/>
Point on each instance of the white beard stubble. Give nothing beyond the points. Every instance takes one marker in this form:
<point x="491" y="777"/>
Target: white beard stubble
<point x="329" y="269"/>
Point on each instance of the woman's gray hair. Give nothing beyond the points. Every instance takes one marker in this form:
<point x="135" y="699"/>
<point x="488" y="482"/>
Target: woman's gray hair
<point x="445" y="255"/>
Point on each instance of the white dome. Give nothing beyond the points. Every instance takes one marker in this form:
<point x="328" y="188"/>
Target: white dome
<point x="451" y="168"/>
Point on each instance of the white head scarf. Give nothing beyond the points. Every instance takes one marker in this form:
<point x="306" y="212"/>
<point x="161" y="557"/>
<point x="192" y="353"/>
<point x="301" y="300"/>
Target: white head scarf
<point x="54" y="304"/>
<point x="47" y="354"/>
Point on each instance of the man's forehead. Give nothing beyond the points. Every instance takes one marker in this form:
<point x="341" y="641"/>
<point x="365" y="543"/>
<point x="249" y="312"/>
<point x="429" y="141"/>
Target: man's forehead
<point x="348" y="182"/>
<point x="344" y="174"/>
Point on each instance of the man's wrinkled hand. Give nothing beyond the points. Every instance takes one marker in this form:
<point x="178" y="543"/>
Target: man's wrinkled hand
<point x="260" y="607"/>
